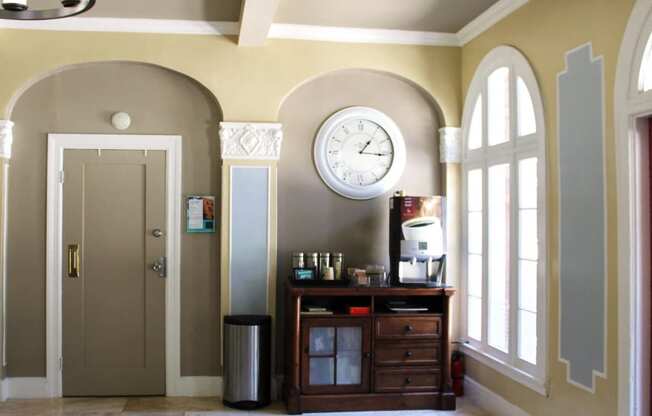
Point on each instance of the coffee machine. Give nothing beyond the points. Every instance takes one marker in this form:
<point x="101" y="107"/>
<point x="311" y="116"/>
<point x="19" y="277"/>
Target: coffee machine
<point x="417" y="246"/>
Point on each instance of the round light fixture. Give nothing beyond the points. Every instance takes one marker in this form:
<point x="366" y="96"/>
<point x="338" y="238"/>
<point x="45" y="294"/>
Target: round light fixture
<point x="19" y="10"/>
<point x="121" y="120"/>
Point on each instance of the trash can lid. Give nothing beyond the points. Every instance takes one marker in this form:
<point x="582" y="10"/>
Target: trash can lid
<point x="248" y="320"/>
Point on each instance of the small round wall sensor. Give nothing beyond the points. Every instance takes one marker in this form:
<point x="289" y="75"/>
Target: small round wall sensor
<point x="121" y="121"/>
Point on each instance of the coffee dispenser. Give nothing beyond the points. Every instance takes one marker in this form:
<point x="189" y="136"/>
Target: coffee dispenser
<point x="417" y="240"/>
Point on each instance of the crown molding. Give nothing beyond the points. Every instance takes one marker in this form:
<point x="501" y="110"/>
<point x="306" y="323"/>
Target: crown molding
<point x="359" y="35"/>
<point x="475" y="28"/>
<point x="489" y="18"/>
<point x="251" y="141"/>
<point x="110" y="24"/>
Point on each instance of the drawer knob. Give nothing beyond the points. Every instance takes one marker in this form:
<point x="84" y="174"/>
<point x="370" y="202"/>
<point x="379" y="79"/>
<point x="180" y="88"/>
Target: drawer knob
<point x="408" y="354"/>
<point x="409" y="328"/>
<point x="408" y="380"/>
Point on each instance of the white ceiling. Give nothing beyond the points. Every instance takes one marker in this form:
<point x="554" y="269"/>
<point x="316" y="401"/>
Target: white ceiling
<point x="447" y="16"/>
<point x="210" y="10"/>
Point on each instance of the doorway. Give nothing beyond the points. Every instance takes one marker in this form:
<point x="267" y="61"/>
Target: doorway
<point x="113" y="301"/>
<point x="113" y="269"/>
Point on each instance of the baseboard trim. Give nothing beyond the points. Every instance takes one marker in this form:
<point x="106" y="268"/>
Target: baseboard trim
<point x="489" y="401"/>
<point x="37" y="387"/>
<point x="198" y="387"/>
<point x="26" y="388"/>
<point x="3" y="390"/>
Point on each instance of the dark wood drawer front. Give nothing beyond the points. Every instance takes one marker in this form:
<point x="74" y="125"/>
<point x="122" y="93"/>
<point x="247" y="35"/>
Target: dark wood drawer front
<point x="398" y="354"/>
<point x="407" y="380"/>
<point x="398" y="327"/>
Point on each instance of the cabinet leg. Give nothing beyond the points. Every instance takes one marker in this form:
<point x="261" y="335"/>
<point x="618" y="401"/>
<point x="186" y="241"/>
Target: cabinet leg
<point x="293" y="403"/>
<point x="448" y="401"/>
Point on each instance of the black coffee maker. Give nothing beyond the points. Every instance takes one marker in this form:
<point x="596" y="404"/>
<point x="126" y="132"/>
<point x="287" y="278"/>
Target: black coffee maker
<point x="417" y="240"/>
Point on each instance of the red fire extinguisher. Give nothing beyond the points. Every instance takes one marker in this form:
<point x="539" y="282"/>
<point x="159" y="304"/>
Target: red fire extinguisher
<point x="457" y="373"/>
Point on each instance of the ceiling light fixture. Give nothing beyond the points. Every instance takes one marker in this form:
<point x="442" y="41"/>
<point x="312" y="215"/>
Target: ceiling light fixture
<point x="19" y="10"/>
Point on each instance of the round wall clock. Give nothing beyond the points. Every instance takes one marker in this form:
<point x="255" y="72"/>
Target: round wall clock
<point x="360" y="153"/>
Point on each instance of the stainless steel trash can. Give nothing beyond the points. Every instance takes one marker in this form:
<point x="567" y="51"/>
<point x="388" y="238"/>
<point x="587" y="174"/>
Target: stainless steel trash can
<point x="247" y="361"/>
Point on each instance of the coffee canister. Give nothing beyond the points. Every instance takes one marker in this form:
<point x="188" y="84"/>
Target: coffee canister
<point x="336" y="261"/>
<point x="324" y="263"/>
<point x="298" y="260"/>
<point x="311" y="260"/>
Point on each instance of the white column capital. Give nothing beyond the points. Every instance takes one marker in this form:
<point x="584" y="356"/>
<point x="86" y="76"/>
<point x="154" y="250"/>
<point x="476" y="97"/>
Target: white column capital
<point x="251" y="141"/>
<point x="6" y="138"/>
<point x="450" y="145"/>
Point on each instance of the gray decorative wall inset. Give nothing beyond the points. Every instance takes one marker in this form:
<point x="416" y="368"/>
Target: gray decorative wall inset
<point x="582" y="306"/>
<point x="249" y="238"/>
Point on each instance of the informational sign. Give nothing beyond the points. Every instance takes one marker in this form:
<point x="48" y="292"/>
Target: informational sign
<point x="201" y="214"/>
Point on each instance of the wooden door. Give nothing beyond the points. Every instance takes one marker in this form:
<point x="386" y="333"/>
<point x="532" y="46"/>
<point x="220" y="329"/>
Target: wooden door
<point x="113" y="302"/>
<point x="336" y="355"/>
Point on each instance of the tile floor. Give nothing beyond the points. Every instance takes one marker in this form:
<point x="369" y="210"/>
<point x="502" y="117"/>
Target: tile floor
<point x="169" y="406"/>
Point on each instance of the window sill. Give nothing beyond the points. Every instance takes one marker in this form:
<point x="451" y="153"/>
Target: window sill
<point x="519" y="376"/>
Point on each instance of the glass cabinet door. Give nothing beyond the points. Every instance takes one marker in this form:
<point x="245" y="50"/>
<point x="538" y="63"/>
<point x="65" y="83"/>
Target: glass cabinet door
<point x="335" y="355"/>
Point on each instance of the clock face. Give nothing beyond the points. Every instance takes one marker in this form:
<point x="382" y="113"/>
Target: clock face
<point x="359" y="152"/>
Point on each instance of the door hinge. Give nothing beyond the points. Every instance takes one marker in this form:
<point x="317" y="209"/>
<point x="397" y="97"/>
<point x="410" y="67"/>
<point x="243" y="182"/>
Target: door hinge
<point x="62" y="176"/>
<point x="60" y="363"/>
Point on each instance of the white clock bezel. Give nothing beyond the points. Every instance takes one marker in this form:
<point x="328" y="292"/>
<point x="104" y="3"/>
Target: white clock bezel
<point x="392" y="176"/>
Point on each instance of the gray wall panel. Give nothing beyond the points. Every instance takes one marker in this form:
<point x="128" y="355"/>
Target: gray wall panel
<point x="582" y="216"/>
<point x="249" y="239"/>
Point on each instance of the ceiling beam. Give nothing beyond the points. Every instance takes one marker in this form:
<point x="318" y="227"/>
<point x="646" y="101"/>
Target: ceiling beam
<point x="255" y="21"/>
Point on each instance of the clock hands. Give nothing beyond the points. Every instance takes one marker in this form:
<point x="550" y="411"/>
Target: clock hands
<point x="365" y="146"/>
<point x="375" y="154"/>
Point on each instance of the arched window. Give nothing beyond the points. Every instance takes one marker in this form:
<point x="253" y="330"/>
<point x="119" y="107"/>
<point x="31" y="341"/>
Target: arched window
<point x="645" y="73"/>
<point x="504" y="291"/>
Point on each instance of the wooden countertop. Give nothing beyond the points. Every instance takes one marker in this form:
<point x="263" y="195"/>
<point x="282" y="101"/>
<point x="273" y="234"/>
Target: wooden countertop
<point x="368" y="291"/>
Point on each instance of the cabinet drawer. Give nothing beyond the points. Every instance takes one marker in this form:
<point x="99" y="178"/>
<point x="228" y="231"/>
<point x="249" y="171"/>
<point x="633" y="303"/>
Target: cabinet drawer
<point x="392" y="380"/>
<point x="408" y="327"/>
<point x="407" y="353"/>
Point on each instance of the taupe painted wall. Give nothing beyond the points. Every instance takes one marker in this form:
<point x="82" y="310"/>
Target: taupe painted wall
<point x="310" y="215"/>
<point x="81" y="100"/>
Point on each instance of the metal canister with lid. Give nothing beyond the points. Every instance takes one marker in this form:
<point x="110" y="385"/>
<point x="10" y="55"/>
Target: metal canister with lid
<point x="311" y="260"/>
<point x="336" y="261"/>
<point x="298" y="260"/>
<point x="324" y="263"/>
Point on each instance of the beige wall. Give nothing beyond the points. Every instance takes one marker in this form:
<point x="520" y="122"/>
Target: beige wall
<point x="81" y="100"/>
<point x="544" y="30"/>
<point x="250" y="83"/>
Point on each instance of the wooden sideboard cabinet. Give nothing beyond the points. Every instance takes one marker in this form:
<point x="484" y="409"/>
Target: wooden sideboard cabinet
<point x="380" y="361"/>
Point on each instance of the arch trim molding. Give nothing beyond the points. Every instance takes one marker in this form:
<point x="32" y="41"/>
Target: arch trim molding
<point x="630" y="105"/>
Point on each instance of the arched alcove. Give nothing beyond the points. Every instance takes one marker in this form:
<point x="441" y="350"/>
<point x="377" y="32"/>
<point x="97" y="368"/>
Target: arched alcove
<point x="81" y="99"/>
<point x="357" y="228"/>
<point x="312" y="217"/>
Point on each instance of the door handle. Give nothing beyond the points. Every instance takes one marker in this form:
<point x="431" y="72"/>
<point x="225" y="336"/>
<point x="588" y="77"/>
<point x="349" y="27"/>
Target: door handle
<point x="73" y="261"/>
<point x="160" y="266"/>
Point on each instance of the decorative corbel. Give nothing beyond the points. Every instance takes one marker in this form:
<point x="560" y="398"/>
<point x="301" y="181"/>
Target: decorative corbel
<point x="251" y="141"/>
<point x="450" y="145"/>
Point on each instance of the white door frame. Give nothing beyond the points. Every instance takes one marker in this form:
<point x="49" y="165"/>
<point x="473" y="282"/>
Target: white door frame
<point x="57" y="143"/>
<point x="630" y="106"/>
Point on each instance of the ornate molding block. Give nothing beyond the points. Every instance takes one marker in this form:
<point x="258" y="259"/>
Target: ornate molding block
<point x="6" y="138"/>
<point x="251" y="141"/>
<point x="450" y="145"/>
